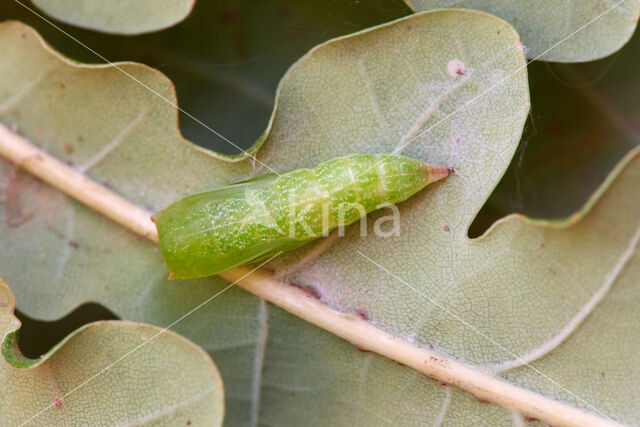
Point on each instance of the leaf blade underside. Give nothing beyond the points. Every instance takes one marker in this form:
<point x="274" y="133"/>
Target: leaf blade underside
<point x="290" y="358"/>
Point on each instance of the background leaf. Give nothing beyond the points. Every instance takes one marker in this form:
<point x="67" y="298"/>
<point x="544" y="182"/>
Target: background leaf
<point x="167" y="381"/>
<point x="118" y="16"/>
<point x="543" y="24"/>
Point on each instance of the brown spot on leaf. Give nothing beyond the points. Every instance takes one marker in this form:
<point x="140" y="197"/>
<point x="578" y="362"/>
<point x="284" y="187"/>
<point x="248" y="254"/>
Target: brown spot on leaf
<point x="542" y="245"/>
<point x="57" y="403"/>
<point x="362" y="314"/>
<point x="531" y="419"/>
<point x="68" y="148"/>
<point x="438" y="361"/>
<point x="313" y="293"/>
<point x="446" y="228"/>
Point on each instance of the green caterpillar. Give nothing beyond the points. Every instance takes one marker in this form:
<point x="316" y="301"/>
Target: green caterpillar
<point x="208" y="233"/>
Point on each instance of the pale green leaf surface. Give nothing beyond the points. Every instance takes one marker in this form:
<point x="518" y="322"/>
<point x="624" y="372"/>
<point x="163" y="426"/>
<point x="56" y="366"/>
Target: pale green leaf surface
<point x="118" y="16"/>
<point x="544" y="24"/>
<point x="361" y="93"/>
<point x="168" y="381"/>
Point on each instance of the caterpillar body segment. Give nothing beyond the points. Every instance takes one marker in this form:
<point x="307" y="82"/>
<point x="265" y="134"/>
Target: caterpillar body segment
<point x="213" y="231"/>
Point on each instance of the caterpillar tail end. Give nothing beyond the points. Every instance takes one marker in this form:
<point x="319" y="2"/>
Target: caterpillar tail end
<point x="438" y="172"/>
